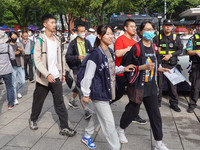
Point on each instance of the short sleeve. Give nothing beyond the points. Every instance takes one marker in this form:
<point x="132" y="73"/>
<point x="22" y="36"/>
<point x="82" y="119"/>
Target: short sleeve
<point x="119" y="44"/>
<point x="189" y="45"/>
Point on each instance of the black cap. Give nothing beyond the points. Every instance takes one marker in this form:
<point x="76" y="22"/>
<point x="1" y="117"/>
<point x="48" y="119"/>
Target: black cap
<point x="168" y="21"/>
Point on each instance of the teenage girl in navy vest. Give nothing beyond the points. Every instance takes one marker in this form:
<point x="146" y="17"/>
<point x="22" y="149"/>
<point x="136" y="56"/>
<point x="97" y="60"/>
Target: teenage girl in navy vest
<point x="98" y="84"/>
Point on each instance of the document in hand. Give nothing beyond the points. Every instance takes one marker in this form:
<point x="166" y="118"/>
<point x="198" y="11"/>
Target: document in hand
<point x="175" y="76"/>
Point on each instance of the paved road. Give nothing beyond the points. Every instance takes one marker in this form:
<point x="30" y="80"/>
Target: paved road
<point x="181" y="130"/>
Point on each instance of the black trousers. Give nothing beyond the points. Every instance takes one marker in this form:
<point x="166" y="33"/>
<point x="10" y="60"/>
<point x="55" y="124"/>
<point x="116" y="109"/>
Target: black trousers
<point x="151" y="105"/>
<point x="39" y="96"/>
<point x="28" y="61"/>
<point x="195" y="84"/>
<point x="173" y="95"/>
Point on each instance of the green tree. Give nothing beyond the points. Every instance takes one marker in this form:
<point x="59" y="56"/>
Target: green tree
<point x="22" y="9"/>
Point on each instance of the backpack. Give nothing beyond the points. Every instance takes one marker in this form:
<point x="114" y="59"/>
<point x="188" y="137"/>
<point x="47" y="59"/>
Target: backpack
<point x="32" y="51"/>
<point x="82" y="68"/>
<point x="138" y="49"/>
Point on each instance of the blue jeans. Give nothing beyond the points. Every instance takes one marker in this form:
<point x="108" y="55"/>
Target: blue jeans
<point x="18" y="79"/>
<point x="9" y="87"/>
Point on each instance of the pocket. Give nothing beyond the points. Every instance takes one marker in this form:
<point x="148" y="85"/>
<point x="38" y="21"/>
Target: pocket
<point x="173" y="60"/>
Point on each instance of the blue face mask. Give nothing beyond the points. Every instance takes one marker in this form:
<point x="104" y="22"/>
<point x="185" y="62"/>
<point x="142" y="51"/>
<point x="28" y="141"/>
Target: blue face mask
<point x="148" y="35"/>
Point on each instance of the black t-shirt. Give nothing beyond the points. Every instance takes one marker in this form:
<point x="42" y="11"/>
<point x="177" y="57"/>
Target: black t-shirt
<point x="150" y="87"/>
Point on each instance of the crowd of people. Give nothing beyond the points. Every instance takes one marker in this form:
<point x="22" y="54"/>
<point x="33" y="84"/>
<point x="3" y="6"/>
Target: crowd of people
<point x="102" y="74"/>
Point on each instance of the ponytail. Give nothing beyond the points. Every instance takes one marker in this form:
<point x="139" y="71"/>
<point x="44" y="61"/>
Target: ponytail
<point x="97" y="42"/>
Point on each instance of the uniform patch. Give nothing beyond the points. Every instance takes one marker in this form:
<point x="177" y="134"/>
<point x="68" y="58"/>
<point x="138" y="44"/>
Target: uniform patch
<point x="171" y="45"/>
<point x="198" y="43"/>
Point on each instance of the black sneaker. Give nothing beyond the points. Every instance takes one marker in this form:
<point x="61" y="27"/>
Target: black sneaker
<point x="175" y="108"/>
<point x="190" y="110"/>
<point x="88" y="114"/>
<point x="73" y="104"/>
<point x="33" y="125"/>
<point x="67" y="132"/>
<point x="139" y="120"/>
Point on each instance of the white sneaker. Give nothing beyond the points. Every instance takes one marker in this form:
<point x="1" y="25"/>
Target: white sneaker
<point x="162" y="147"/>
<point x="16" y="102"/>
<point x="121" y="134"/>
<point x="19" y="95"/>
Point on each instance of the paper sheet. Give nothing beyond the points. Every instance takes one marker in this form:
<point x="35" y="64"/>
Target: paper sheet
<point x="175" y="76"/>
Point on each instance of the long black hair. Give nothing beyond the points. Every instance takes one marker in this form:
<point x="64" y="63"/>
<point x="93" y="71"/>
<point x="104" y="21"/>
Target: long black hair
<point x="11" y="33"/>
<point x="101" y="30"/>
<point x="143" y="24"/>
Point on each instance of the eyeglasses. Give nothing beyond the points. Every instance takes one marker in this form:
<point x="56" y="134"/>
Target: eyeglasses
<point x="135" y="27"/>
<point x="149" y="30"/>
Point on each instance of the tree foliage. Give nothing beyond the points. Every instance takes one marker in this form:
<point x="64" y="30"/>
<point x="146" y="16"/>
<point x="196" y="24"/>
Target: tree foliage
<point x="22" y="12"/>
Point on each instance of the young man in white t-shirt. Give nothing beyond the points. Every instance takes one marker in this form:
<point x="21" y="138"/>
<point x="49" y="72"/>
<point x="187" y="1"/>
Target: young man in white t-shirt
<point x="50" y="74"/>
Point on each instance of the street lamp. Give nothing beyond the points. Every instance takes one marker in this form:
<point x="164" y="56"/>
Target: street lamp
<point x="159" y="16"/>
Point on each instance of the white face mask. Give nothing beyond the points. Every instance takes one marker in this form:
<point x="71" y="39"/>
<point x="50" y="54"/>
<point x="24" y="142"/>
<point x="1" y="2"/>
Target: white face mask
<point x="29" y="33"/>
<point x="81" y="35"/>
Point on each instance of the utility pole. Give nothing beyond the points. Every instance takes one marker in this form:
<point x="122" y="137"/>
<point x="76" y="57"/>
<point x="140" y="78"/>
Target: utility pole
<point x="165" y="8"/>
<point x="35" y="16"/>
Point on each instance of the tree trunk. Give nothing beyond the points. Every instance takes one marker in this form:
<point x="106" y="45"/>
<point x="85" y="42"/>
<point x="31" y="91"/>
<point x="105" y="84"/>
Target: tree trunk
<point x="62" y="23"/>
<point x="68" y="23"/>
<point x="171" y="15"/>
<point x="102" y="8"/>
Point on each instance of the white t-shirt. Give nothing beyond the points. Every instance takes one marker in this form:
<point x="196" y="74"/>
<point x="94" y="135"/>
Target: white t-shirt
<point x="52" y="48"/>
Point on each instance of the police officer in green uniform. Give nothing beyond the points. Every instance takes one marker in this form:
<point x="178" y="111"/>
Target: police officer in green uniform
<point x="170" y="47"/>
<point x="193" y="49"/>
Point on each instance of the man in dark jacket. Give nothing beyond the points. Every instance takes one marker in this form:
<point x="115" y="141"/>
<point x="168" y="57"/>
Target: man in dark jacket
<point x="77" y="51"/>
